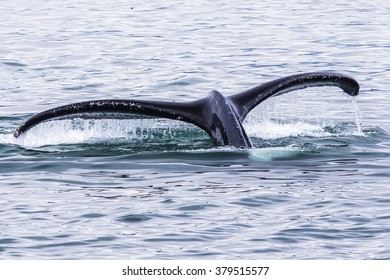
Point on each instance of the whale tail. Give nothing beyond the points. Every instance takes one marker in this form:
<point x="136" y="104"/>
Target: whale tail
<point x="221" y="117"/>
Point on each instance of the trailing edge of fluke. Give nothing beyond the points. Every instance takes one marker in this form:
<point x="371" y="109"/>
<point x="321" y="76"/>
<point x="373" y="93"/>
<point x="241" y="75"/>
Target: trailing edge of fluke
<point x="221" y="117"/>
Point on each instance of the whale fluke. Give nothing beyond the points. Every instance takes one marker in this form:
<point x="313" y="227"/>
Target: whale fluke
<point x="247" y="100"/>
<point x="221" y="117"/>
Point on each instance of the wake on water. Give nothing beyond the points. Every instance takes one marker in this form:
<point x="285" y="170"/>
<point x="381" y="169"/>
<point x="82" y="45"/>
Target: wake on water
<point x="304" y="113"/>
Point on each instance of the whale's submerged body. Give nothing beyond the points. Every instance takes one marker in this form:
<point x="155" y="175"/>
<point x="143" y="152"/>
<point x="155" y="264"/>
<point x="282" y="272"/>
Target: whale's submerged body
<point x="221" y="117"/>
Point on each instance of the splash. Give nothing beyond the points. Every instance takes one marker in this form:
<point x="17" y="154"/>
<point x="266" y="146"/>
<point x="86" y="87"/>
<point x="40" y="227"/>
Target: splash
<point x="268" y="129"/>
<point x="75" y="131"/>
<point x="309" y="112"/>
<point x="358" y="119"/>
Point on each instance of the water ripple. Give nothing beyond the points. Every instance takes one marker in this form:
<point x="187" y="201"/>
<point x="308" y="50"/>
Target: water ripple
<point x="314" y="187"/>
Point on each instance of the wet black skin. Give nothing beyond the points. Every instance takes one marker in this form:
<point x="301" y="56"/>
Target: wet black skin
<point x="221" y="117"/>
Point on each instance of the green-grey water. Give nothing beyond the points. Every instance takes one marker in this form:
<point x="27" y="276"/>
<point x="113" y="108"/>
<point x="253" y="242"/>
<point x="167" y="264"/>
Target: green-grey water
<point x="315" y="185"/>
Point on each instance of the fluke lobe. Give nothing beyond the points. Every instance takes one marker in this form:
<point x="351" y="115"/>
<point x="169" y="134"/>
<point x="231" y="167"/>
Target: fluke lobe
<point x="221" y="117"/>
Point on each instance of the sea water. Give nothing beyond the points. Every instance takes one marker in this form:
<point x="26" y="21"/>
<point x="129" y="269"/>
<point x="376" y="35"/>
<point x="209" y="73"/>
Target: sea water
<point x="315" y="185"/>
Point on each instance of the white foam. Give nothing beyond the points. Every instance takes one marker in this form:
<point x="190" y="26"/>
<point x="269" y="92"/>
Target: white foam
<point x="268" y="129"/>
<point x="7" y="139"/>
<point x="94" y="131"/>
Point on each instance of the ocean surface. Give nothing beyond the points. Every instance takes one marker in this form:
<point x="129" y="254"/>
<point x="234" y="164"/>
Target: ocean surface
<point x="316" y="185"/>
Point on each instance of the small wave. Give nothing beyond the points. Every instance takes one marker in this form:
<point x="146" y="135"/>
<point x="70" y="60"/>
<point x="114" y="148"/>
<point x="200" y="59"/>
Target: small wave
<point x="271" y="153"/>
<point x="14" y="64"/>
